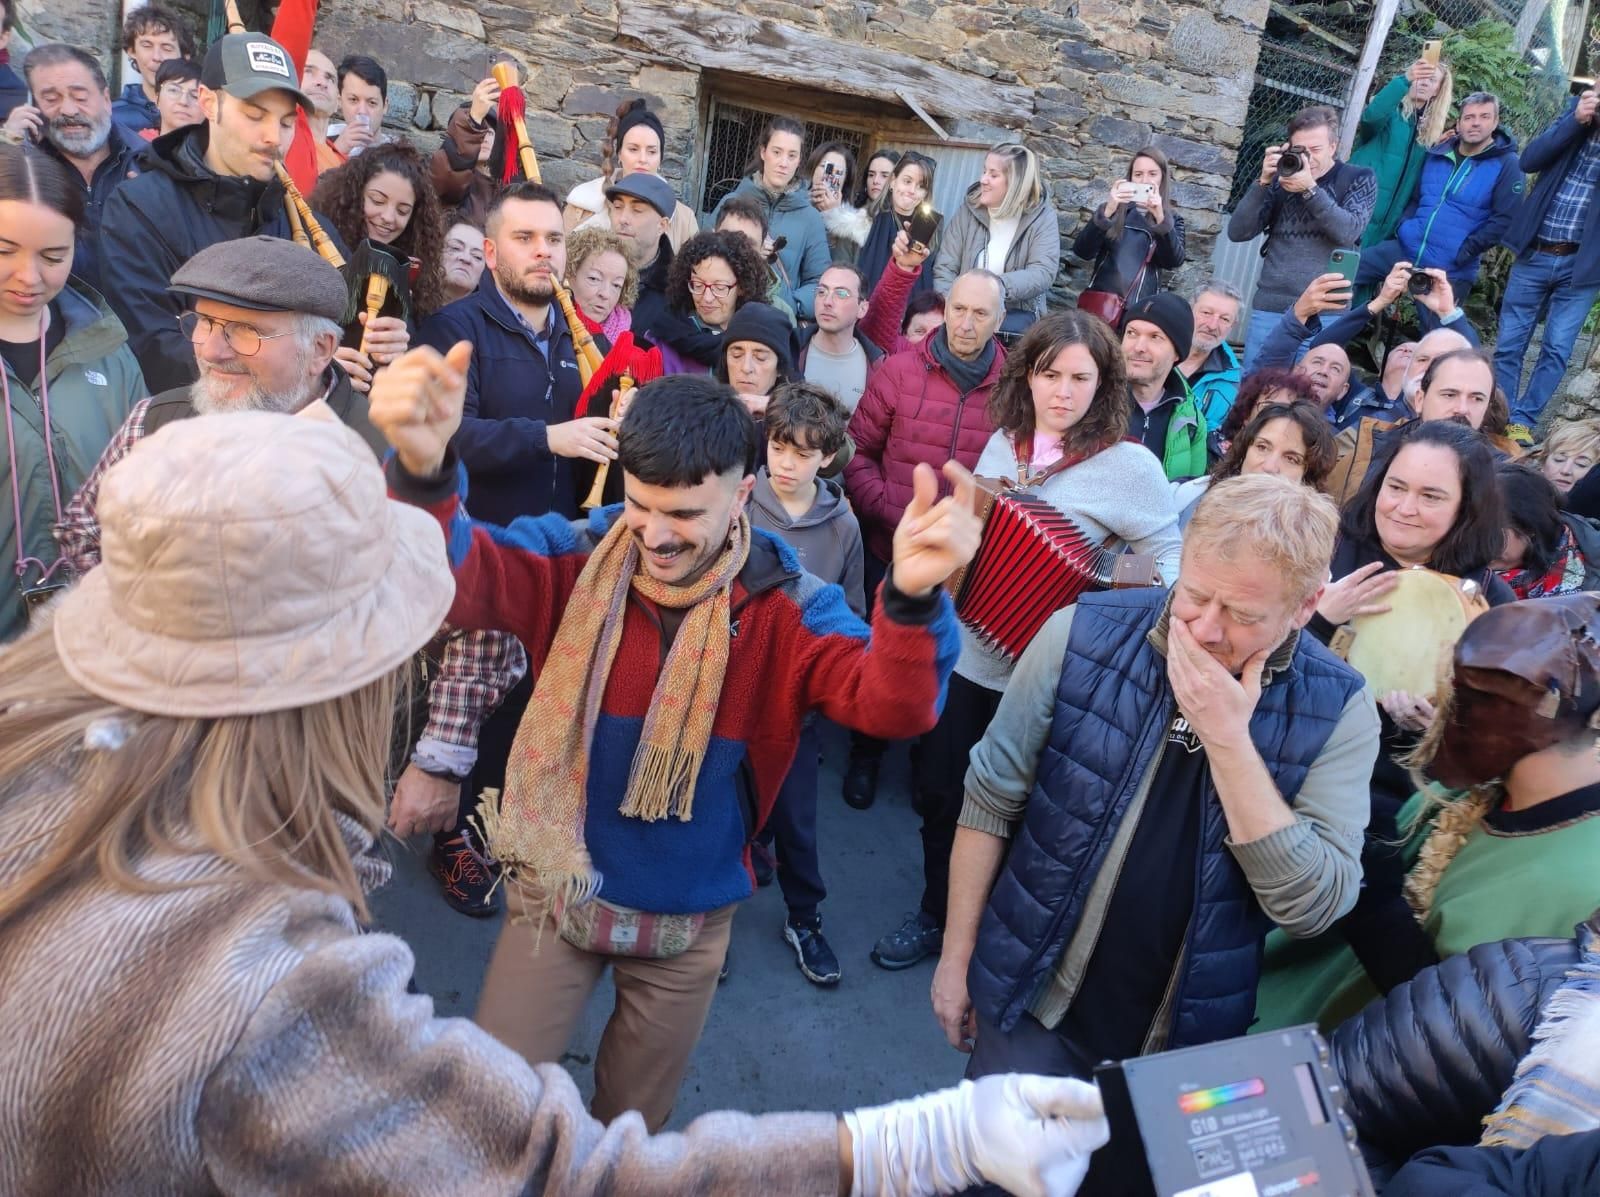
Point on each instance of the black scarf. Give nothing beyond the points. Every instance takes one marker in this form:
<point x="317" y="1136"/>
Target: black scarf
<point x="966" y="375"/>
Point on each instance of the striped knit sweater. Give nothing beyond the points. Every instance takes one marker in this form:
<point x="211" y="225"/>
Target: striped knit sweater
<point x="796" y="647"/>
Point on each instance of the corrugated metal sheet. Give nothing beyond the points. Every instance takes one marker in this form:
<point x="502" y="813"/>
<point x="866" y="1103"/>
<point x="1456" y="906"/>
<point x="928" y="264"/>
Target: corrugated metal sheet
<point x="1239" y="263"/>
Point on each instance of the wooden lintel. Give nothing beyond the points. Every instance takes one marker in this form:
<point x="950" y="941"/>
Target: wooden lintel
<point x="922" y="113"/>
<point x="1305" y="26"/>
<point x="714" y="39"/>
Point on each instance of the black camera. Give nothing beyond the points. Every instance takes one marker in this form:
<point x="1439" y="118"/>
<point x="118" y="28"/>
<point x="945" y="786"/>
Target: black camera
<point x="1420" y="283"/>
<point x="1291" y="162"/>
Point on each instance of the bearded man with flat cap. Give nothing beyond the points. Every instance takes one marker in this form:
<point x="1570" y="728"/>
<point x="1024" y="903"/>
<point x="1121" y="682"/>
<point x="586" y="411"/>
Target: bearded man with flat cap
<point x="264" y="323"/>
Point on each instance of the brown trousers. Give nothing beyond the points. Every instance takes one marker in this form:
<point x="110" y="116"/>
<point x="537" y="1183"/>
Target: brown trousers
<point x="532" y="1004"/>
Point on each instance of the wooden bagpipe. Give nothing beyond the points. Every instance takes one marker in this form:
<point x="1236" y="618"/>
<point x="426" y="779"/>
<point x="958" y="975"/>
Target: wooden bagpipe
<point x="378" y="279"/>
<point x="1032" y="561"/>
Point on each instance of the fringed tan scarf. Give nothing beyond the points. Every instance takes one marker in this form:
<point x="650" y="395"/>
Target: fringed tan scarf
<point x="535" y="829"/>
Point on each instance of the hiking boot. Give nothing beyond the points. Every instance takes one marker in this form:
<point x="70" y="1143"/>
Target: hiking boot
<point x="861" y="780"/>
<point x="915" y="939"/>
<point x="466" y="874"/>
<point x="1521" y="434"/>
<point x="811" y="952"/>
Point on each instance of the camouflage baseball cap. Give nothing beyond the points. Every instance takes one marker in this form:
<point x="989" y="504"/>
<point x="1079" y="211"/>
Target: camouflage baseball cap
<point x="246" y="64"/>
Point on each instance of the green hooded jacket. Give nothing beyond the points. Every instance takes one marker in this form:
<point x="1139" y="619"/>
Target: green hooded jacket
<point x="93" y="382"/>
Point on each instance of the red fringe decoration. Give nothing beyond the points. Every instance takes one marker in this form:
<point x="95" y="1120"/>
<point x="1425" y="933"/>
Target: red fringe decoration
<point x="513" y="104"/>
<point x="625" y="356"/>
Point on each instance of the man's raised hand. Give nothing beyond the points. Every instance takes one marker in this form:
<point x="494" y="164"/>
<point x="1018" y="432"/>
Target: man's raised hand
<point x="417" y="401"/>
<point x="935" y="536"/>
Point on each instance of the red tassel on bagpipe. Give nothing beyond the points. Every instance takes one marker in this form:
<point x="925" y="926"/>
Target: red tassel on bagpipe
<point x="643" y="364"/>
<point x="513" y="107"/>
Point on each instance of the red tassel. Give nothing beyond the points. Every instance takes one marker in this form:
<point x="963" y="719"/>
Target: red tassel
<point x="513" y="105"/>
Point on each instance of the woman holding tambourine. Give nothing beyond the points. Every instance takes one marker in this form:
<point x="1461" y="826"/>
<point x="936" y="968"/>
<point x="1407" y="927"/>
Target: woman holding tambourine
<point x="1430" y="501"/>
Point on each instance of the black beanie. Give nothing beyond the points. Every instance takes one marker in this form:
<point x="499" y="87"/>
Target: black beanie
<point x="638" y="114"/>
<point x="1171" y="314"/>
<point x="765" y="325"/>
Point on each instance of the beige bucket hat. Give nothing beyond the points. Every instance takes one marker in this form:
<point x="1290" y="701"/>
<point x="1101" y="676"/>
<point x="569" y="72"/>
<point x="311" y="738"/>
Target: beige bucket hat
<point x="251" y="562"/>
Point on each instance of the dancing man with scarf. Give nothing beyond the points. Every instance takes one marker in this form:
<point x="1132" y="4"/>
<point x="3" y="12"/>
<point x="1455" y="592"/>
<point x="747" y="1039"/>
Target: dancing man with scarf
<point x="677" y="654"/>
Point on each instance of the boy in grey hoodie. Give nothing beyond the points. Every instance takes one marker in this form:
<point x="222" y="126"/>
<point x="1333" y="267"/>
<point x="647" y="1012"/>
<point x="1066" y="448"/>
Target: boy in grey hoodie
<point x="805" y="428"/>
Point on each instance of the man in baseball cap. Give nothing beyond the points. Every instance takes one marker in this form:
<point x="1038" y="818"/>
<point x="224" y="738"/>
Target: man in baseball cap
<point x="211" y="182"/>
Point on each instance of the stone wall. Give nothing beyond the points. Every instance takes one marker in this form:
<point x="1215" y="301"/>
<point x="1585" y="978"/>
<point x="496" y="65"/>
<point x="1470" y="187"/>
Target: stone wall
<point x="1086" y="82"/>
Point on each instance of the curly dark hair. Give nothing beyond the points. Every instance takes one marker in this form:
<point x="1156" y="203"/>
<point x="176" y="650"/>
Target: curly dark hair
<point x="749" y="271"/>
<point x="1257" y="385"/>
<point x="1011" y="403"/>
<point x="1321" y="453"/>
<point x="340" y="197"/>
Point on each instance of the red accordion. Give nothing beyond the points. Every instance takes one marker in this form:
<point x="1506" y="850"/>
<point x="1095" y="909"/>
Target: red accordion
<point x="1031" y="562"/>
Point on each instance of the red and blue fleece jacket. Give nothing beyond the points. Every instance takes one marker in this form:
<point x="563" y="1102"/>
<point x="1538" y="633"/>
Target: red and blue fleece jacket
<point x="796" y="647"/>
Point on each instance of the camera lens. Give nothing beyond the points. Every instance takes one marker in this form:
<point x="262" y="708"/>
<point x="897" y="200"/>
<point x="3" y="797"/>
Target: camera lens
<point x="1290" y="162"/>
<point x="1420" y="282"/>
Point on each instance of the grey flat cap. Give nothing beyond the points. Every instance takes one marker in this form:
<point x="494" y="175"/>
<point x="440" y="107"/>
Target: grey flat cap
<point x="267" y="274"/>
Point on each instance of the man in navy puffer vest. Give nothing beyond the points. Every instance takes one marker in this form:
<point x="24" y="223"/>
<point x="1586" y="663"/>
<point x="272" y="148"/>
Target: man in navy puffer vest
<point x="1174" y="774"/>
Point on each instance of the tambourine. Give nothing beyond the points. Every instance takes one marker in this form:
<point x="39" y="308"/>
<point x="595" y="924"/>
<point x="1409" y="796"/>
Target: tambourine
<point x="1409" y="646"/>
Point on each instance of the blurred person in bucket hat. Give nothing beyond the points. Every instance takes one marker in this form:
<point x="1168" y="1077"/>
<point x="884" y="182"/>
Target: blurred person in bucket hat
<point x="192" y="749"/>
<point x="265" y="330"/>
<point x="1508" y="850"/>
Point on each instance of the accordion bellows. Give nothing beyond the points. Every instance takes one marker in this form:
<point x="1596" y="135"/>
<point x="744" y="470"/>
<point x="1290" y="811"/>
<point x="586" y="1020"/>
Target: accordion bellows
<point x="1033" y="561"/>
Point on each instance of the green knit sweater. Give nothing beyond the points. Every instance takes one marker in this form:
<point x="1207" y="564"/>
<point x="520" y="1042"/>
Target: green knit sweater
<point x="1531" y="873"/>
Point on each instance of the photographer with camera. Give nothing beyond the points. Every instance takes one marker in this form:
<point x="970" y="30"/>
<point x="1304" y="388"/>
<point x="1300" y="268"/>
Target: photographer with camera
<point x="1466" y="193"/>
<point x="1308" y="204"/>
<point x="1303" y="330"/>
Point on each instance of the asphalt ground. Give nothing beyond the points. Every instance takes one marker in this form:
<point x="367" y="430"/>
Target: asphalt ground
<point x="773" y="1041"/>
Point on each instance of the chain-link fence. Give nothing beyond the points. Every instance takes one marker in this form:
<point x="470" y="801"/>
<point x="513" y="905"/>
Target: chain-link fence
<point x="1307" y="57"/>
<point x="734" y="139"/>
<point x="1522" y="50"/>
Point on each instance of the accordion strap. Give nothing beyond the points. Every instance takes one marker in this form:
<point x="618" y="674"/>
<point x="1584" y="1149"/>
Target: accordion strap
<point x="1026" y="480"/>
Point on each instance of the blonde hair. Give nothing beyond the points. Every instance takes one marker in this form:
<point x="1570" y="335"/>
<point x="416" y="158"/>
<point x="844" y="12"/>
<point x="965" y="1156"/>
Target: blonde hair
<point x="1574" y="437"/>
<point x="585" y="243"/>
<point x="1023" y="189"/>
<point x="1290" y="526"/>
<point x="1435" y="113"/>
<point x="261" y="791"/>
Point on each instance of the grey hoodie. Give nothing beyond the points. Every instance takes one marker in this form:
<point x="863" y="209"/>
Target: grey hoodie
<point x="827" y="538"/>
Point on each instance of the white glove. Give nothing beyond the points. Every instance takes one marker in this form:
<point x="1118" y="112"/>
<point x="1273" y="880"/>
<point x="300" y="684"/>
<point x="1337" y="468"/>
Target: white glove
<point x="1031" y="1135"/>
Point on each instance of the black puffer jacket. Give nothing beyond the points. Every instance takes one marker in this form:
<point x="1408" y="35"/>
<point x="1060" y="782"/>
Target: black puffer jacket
<point x="1424" y="1065"/>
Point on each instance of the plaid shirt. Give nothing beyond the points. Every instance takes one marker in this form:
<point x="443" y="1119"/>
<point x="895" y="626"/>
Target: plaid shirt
<point x="1570" y="208"/>
<point x="478" y="668"/>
